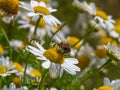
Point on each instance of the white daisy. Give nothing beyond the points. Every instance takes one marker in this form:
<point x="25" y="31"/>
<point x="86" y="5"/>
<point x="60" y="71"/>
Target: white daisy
<point x="16" y="44"/>
<point x="54" y="60"/>
<point x="42" y="29"/>
<point x="36" y="9"/>
<point x="113" y="51"/>
<point x="33" y="72"/>
<point x="113" y="85"/>
<point x="13" y="87"/>
<point x="89" y="8"/>
<point x="107" y="25"/>
<point x="6" y="67"/>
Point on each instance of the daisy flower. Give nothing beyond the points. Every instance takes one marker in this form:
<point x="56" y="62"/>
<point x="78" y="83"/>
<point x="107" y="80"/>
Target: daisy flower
<point x="42" y="30"/>
<point x="36" y="9"/>
<point x="16" y="44"/>
<point x="33" y="72"/>
<point x="54" y="60"/>
<point x="113" y="85"/>
<point x="13" y="87"/>
<point x="9" y="6"/>
<point x="100" y="19"/>
<point x="6" y="67"/>
<point x="89" y="8"/>
<point x="113" y="51"/>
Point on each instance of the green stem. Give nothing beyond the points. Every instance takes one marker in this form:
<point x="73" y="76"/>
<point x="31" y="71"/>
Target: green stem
<point x="90" y="73"/>
<point x="36" y="25"/>
<point x="10" y="49"/>
<point x="1" y="83"/>
<point x="24" y="79"/>
<point x="83" y="38"/>
<point x="41" y="84"/>
<point x="57" y="31"/>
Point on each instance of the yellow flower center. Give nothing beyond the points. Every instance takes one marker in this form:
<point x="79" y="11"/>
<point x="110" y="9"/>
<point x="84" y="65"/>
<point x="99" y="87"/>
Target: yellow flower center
<point x="10" y="6"/>
<point x="84" y="61"/>
<point x="35" y="73"/>
<point x="3" y="69"/>
<point x="72" y="41"/>
<point x="18" y="66"/>
<point x="117" y="25"/>
<point x="102" y="14"/>
<point x="54" y="56"/>
<point x="17" y="81"/>
<point x="41" y="24"/>
<point x="41" y="9"/>
<point x="105" y="88"/>
<point x="1" y="49"/>
<point x="100" y="52"/>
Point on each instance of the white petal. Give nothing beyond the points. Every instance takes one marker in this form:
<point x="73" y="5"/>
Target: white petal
<point x="34" y="3"/>
<point x="106" y="82"/>
<point x="35" y="18"/>
<point x="52" y="10"/>
<point x="26" y="6"/>
<point x="71" y="60"/>
<point x="40" y="47"/>
<point x="54" y="70"/>
<point x="42" y="4"/>
<point x="31" y="14"/>
<point x="46" y="64"/>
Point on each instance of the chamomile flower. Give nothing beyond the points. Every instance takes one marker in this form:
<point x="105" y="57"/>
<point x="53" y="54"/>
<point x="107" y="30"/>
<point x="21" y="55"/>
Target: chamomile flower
<point x="9" y="6"/>
<point x="113" y="51"/>
<point x="33" y="72"/>
<point x="42" y="30"/>
<point x="113" y="85"/>
<point x="54" y="60"/>
<point x="13" y="87"/>
<point x="89" y="8"/>
<point x="100" y="19"/>
<point x="16" y="44"/>
<point x="6" y="67"/>
<point x="19" y="68"/>
<point x="37" y="9"/>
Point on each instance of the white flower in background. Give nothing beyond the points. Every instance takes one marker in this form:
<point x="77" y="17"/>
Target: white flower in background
<point x="6" y="67"/>
<point x="37" y="9"/>
<point x="113" y="85"/>
<point x="54" y="60"/>
<point x="42" y="29"/>
<point x="33" y="72"/>
<point x="13" y="87"/>
<point x="16" y="44"/>
<point x="107" y="25"/>
<point x="113" y="51"/>
<point x="89" y="8"/>
<point x="100" y="17"/>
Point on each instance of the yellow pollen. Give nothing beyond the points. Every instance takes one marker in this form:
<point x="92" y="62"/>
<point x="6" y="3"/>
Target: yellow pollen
<point x="72" y="41"/>
<point x="101" y="52"/>
<point x="9" y="6"/>
<point x="102" y="14"/>
<point x="17" y="81"/>
<point x="105" y="88"/>
<point x="1" y="49"/>
<point x="35" y="73"/>
<point x="3" y="69"/>
<point x="54" y="56"/>
<point x="18" y="66"/>
<point x="41" y="24"/>
<point x="84" y="61"/>
<point x="41" y="9"/>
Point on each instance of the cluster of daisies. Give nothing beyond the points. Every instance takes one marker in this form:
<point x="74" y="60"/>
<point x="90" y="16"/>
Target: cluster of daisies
<point x="50" y="49"/>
